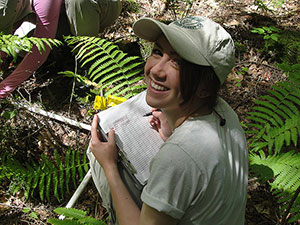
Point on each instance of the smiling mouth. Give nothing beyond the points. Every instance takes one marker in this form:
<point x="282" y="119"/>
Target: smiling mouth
<point x="158" y="87"/>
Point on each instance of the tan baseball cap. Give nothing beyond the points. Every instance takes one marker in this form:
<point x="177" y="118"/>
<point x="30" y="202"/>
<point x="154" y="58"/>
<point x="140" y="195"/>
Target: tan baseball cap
<point x="196" y="39"/>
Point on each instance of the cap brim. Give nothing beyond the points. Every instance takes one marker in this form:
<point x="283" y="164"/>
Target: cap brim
<point x="150" y="30"/>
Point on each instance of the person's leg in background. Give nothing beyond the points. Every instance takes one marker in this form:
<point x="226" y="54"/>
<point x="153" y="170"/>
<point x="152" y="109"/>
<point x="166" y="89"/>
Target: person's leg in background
<point x="90" y="17"/>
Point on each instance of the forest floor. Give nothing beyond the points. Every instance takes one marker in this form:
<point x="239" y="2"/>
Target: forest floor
<point x="34" y="134"/>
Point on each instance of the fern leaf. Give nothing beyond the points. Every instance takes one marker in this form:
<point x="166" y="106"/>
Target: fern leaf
<point x="293" y="99"/>
<point x="61" y="174"/>
<point x="55" y="221"/>
<point x="91" y="221"/>
<point x="120" y="86"/>
<point x="294" y="135"/>
<point x="105" y="69"/>
<point x="287" y="137"/>
<point x="80" y="171"/>
<point x="73" y="168"/>
<point x="91" y="56"/>
<point x="42" y="186"/>
<point x="70" y="212"/>
<point x="278" y="95"/>
<point x="36" y="178"/>
<point x="67" y="169"/>
<point x="48" y="186"/>
<point x="269" y="113"/>
<point x="109" y="65"/>
<point x="285" y="168"/>
<point x="28" y="184"/>
<point x="290" y="108"/>
<point x="55" y="184"/>
<point x="85" y="163"/>
<point x="133" y="91"/>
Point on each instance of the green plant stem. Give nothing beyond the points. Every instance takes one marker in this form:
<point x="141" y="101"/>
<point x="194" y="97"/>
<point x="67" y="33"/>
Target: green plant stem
<point x="285" y="216"/>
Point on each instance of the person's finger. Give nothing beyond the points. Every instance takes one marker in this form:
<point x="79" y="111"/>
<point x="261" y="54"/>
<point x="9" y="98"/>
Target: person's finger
<point x="94" y="131"/>
<point x="111" y="136"/>
<point x="157" y="114"/>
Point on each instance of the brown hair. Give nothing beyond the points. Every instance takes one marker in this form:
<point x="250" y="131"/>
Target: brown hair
<point x="196" y="78"/>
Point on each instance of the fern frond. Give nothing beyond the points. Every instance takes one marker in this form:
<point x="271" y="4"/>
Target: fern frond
<point x="110" y="67"/>
<point x="276" y="117"/>
<point x="284" y="169"/>
<point x="11" y="44"/>
<point x="76" y="216"/>
<point x="48" y="177"/>
<point x="70" y="212"/>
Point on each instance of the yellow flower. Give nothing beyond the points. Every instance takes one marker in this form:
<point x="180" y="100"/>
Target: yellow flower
<point x="103" y="103"/>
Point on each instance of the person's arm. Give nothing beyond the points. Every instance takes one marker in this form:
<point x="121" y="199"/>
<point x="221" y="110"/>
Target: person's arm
<point x="127" y="211"/>
<point x="47" y="14"/>
<point x="106" y="154"/>
<point x="150" y="216"/>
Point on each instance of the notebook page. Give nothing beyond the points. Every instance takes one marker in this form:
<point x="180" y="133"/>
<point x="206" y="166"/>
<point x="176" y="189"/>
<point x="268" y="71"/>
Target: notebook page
<point x="134" y="135"/>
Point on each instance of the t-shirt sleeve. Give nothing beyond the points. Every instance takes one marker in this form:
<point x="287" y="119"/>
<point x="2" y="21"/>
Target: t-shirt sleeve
<point x="173" y="182"/>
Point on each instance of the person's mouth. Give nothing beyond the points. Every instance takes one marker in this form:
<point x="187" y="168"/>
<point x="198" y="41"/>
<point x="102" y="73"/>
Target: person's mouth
<point x="157" y="87"/>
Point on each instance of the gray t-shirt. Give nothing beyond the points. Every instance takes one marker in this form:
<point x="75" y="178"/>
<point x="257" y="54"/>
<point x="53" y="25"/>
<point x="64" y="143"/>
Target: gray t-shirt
<point x="200" y="174"/>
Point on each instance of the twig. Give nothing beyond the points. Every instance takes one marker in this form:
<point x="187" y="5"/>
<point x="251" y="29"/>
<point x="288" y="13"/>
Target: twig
<point x="261" y="64"/>
<point x="285" y="216"/>
<point x="53" y="116"/>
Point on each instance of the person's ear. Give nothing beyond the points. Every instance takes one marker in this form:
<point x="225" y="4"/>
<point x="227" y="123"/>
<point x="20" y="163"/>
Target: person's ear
<point x="203" y="93"/>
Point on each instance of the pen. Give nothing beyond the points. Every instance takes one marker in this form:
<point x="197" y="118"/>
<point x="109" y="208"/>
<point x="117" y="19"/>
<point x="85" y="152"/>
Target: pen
<point x="150" y="113"/>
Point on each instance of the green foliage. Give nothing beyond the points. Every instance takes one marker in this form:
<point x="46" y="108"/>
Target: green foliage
<point x="130" y="6"/>
<point x="113" y="71"/>
<point x="45" y="176"/>
<point x="275" y="130"/>
<point x="267" y="7"/>
<point x="283" y="169"/>
<point x="271" y="35"/>
<point x="283" y="45"/>
<point x="12" y="44"/>
<point x="32" y="213"/>
<point x="293" y="71"/>
<point x="276" y="117"/>
<point x="75" y="216"/>
<point x="179" y="7"/>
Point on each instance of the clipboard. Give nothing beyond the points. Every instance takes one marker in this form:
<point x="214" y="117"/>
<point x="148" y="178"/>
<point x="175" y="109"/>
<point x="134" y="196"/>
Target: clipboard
<point x="136" y="140"/>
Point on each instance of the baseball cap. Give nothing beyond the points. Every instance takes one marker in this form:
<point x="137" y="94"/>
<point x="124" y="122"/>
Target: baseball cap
<point x="196" y="39"/>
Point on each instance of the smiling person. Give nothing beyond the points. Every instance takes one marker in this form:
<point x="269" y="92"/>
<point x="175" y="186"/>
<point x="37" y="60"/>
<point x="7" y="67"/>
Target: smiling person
<point x="200" y="174"/>
<point x="84" y="17"/>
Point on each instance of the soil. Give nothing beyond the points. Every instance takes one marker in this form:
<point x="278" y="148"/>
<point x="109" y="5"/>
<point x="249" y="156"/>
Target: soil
<point x="32" y="134"/>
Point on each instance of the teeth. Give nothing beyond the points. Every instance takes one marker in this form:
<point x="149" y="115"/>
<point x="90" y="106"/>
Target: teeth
<point x="157" y="87"/>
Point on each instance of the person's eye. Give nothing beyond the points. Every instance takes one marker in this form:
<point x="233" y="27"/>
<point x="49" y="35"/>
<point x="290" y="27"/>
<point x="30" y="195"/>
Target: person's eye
<point x="156" y="51"/>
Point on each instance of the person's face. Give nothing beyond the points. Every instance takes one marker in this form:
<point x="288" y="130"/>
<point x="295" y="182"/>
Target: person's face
<point x="162" y="73"/>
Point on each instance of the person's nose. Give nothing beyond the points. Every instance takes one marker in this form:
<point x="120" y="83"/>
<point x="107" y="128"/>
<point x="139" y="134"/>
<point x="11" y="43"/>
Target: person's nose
<point x="158" y="71"/>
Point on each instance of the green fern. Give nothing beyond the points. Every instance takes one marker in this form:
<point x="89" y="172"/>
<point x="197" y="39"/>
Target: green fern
<point x="11" y="44"/>
<point x="76" y="216"/>
<point x="276" y="119"/>
<point x="110" y="68"/>
<point x="45" y="176"/>
<point x="284" y="171"/>
<point x="275" y="129"/>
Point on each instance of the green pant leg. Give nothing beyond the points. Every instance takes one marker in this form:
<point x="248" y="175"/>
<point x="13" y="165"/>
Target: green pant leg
<point x="8" y="15"/>
<point x="99" y="178"/>
<point x="90" y="17"/>
<point x="102" y="186"/>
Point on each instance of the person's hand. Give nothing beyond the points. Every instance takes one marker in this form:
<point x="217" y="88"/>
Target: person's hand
<point x="105" y="152"/>
<point x="159" y="122"/>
